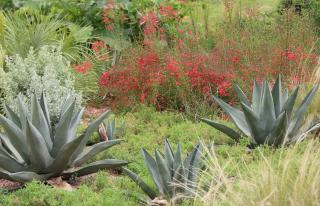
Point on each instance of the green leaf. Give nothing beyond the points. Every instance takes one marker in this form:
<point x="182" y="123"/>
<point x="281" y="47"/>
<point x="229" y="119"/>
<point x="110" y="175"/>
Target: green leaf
<point x="63" y="158"/>
<point x="14" y="152"/>
<point x="76" y="119"/>
<point x="66" y="104"/>
<point x="177" y="158"/>
<point x="243" y="98"/>
<point x="23" y="114"/>
<point x="8" y="163"/>
<point x="164" y="173"/>
<point x="267" y="111"/>
<point x="94" y="125"/>
<point x="39" y="121"/>
<point x="153" y="170"/>
<point x="43" y="104"/>
<point x="194" y="165"/>
<point x="258" y="131"/>
<point x="146" y="189"/>
<point x="63" y="133"/>
<point x="96" y="166"/>
<point x="278" y="135"/>
<point x="111" y="126"/>
<point x="93" y="150"/>
<point x="12" y="116"/>
<point x="277" y="96"/>
<point x="297" y="120"/>
<point x="236" y="116"/>
<point x="28" y="176"/>
<point x="180" y="179"/>
<point x="88" y="132"/>
<point x="288" y="105"/>
<point x="256" y="98"/>
<point x="37" y="149"/>
<point x="222" y="128"/>
<point x="169" y="156"/>
<point x="17" y="138"/>
<point x="285" y="96"/>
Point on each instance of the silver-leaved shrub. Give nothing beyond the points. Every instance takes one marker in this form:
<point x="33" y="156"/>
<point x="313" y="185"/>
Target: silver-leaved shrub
<point x="46" y="70"/>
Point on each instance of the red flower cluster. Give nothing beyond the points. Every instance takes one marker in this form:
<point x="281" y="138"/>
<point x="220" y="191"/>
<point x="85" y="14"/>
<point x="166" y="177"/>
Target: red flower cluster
<point x="167" y="11"/>
<point x="105" y="17"/>
<point x="100" y="50"/>
<point x="150" y="22"/>
<point x="97" y="46"/>
<point x="82" y="68"/>
<point x="205" y="81"/>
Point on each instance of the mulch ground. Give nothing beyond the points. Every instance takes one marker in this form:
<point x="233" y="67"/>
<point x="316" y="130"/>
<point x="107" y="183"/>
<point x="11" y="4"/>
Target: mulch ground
<point x="9" y="185"/>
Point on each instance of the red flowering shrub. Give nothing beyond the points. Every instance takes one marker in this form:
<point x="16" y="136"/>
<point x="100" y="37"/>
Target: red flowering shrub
<point x="164" y="80"/>
<point x="184" y="71"/>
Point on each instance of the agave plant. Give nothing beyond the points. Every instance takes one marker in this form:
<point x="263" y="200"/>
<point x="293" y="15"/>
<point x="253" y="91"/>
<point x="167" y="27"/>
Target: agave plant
<point x="108" y="131"/>
<point x="270" y="118"/>
<point x="171" y="175"/>
<point x="32" y="147"/>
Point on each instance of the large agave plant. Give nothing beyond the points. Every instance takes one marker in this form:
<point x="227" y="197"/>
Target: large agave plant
<point x="269" y="118"/>
<point x="171" y="174"/>
<point x="32" y="147"/>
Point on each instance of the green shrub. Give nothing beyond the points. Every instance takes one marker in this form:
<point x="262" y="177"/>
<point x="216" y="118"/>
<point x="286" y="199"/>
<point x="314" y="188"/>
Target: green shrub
<point x="45" y="71"/>
<point x="82" y="12"/>
<point x="26" y="28"/>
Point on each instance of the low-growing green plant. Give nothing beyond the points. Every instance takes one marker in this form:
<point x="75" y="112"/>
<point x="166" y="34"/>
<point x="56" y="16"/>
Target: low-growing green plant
<point x="45" y="71"/>
<point x="34" y="148"/>
<point x="170" y="173"/>
<point x="269" y="118"/>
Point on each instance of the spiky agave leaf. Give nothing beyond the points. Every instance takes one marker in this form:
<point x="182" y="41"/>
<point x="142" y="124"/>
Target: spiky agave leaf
<point x="297" y="119"/>
<point x="223" y="128"/>
<point x="146" y="189"/>
<point x="236" y="116"/>
<point x="192" y="165"/>
<point x="31" y="148"/>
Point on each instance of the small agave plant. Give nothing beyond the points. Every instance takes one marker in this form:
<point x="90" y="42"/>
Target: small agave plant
<point x="269" y="118"/>
<point x="172" y="175"/>
<point x="34" y="148"/>
<point x="108" y="131"/>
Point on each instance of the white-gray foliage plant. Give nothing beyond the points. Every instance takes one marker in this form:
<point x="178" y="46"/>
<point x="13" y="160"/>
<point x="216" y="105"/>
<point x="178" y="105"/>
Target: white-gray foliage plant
<point x="46" y="70"/>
